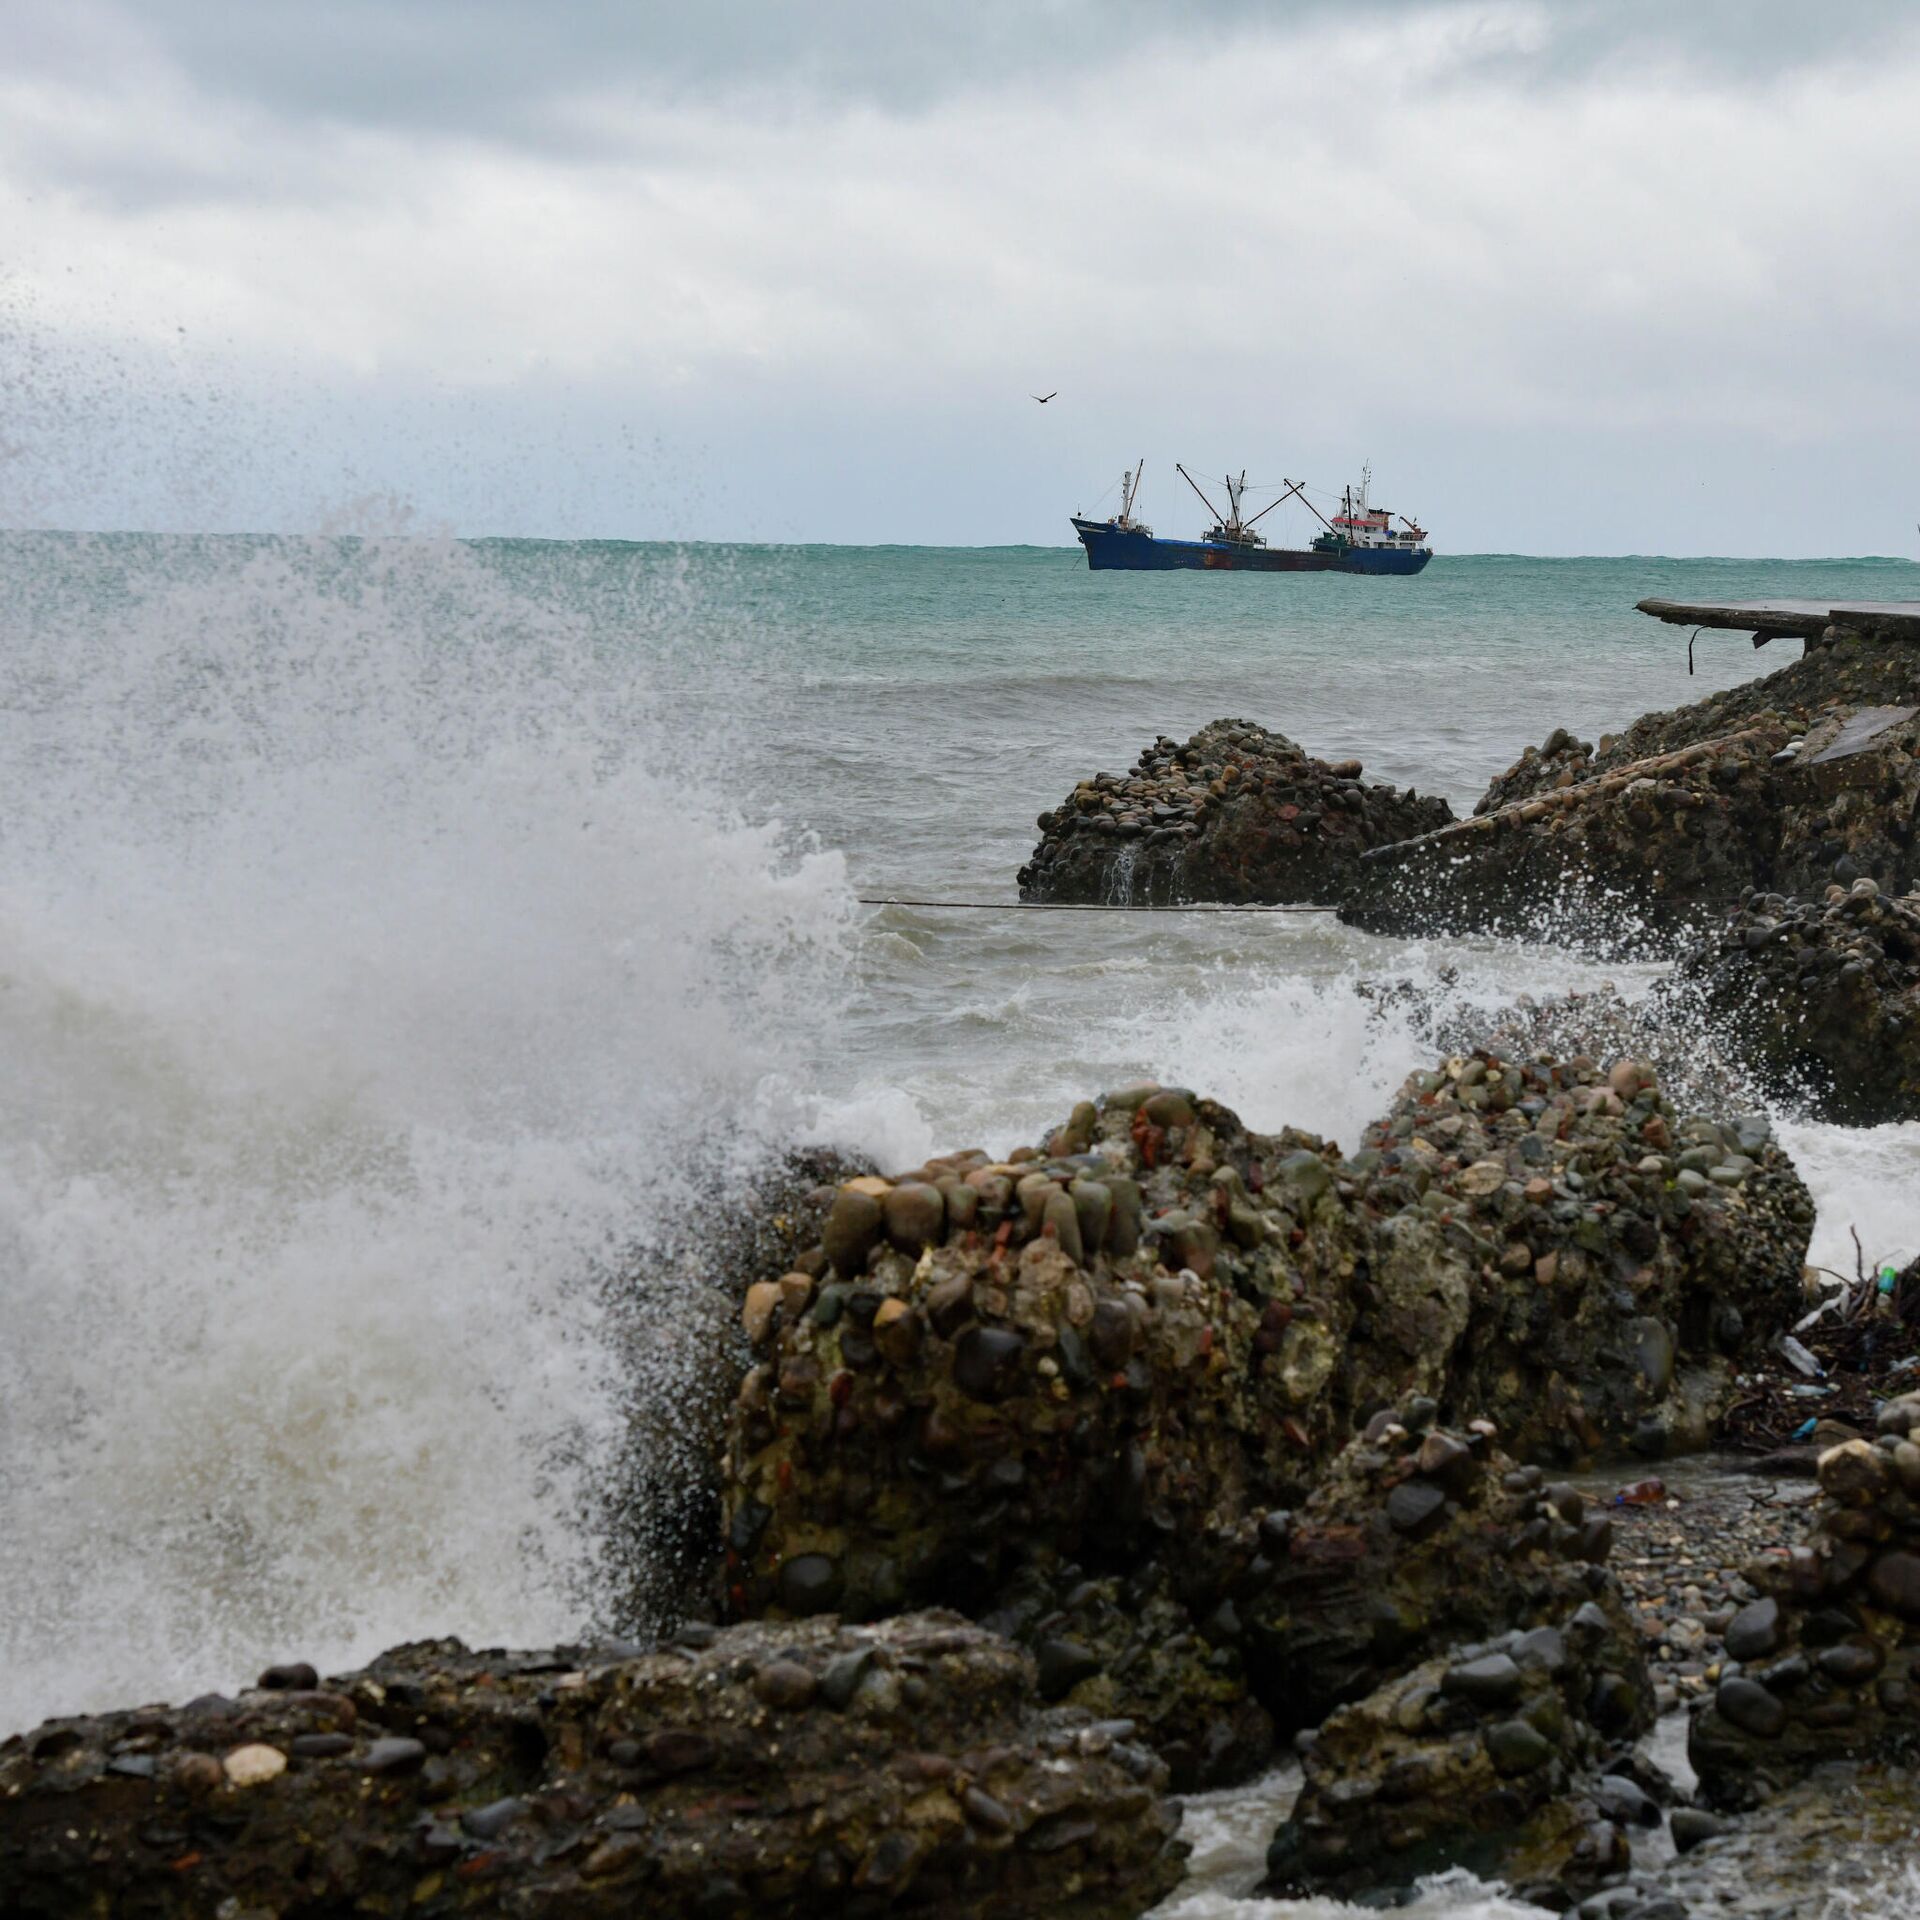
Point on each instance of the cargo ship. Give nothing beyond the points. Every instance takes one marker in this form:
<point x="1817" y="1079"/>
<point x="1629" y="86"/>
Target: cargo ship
<point x="1361" y="538"/>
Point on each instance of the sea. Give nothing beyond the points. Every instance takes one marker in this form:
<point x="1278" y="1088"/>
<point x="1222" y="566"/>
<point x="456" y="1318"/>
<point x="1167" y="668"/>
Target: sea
<point x="406" y="941"/>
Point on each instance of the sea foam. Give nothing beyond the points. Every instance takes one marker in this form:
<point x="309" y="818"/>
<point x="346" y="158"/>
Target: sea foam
<point x="376" y="960"/>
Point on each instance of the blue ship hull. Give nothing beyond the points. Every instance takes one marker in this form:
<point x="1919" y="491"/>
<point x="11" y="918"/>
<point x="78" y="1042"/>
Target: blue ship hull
<point x="1125" y="547"/>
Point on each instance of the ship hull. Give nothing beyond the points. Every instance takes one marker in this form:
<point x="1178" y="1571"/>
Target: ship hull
<point x="1122" y="548"/>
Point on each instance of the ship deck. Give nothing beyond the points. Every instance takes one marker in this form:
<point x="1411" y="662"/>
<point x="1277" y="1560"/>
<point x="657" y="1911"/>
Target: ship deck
<point x="1896" y="619"/>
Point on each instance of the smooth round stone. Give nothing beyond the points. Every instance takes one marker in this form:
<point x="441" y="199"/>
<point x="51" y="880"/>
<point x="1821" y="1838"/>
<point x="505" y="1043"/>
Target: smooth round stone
<point x="1853" y="1663"/>
<point x="853" y="1225"/>
<point x="809" y="1583"/>
<point x="1544" y="1647"/>
<point x="393" y="1756"/>
<point x="1061" y="1218"/>
<point x="840" y="1678"/>
<point x="1691" y="1825"/>
<point x="1855" y="1473"/>
<point x="1492" y="1681"/>
<point x="915" y="1214"/>
<point x="297" y="1676"/>
<point x="1626" y="1800"/>
<point x="1093" y="1206"/>
<point x="785" y="1684"/>
<point x="492" y="1820"/>
<point x="758" y="1309"/>
<point x="1747" y="1705"/>
<point x="897" y="1331"/>
<point x="1169" y="1108"/>
<point x="1416" y="1508"/>
<point x="1754" y="1632"/>
<point x="989" y="1363"/>
<point x="1515" y="1747"/>
<point x="1441" y="1457"/>
<point x="1895" y="1583"/>
<point x="1302" y="1176"/>
<point x="320" y="1746"/>
<point x="984" y="1811"/>
<point x="254" y="1766"/>
<point x="1111" y="1334"/>
<point x="1063" y="1665"/>
<point x="1653" y="1353"/>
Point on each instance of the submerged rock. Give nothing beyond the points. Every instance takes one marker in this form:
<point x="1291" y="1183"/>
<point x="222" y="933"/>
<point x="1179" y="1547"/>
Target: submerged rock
<point x="1237" y="814"/>
<point x="731" y="1777"/>
<point x="1821" y="1003"/>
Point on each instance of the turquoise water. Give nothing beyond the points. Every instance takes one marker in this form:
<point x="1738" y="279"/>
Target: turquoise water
<point x="396" y="933"/>
<point x="915" y="681"/>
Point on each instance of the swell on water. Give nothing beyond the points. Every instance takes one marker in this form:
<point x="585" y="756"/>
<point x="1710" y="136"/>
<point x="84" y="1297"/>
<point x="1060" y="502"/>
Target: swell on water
<point x="379" y="965"/>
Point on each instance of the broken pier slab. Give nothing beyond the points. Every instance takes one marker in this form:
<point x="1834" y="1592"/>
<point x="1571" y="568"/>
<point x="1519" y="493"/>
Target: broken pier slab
<point x="1777" y="619"/>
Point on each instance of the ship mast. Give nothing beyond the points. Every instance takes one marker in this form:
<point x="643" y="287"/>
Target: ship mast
<point x="1219" y="520"/>
<point x="1290" y="488"/>
<point x="1299" y="487"/>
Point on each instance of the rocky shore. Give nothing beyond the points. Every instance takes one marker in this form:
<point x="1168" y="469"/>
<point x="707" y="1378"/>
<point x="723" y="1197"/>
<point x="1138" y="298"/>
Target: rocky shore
<point x="810" y="1769"/>
<point x="1029" y="1491"/>
<point x="1237" y="813"/>
<point x="1807" y="778"/>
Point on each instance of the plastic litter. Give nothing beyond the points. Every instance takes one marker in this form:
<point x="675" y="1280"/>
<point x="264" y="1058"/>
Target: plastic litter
<point x="1797" y="1357"/>
<point x="1804" y="1431"/>
<point x="1643" y="1493"/>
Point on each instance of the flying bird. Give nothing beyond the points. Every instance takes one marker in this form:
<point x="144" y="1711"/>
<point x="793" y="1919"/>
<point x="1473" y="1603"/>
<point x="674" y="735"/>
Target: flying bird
<point x="1043" y="398"/>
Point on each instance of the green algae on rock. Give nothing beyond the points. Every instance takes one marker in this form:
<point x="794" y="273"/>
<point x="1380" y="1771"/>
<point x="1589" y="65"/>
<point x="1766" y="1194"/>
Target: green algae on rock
<point x="758" y="1772"/>
<point x="1093" y="1395"/>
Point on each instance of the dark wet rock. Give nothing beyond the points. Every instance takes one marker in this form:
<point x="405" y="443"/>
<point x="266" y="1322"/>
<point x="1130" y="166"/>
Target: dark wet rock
<point x="1557" y="763"/>
<point x="1237" y="813"/>
<point x="1754" y="1632"/>
<point x="1491" y="1681"/>
<point x="544" y="1796"/>
<point x="398" y="1755"/>
<point x="662" y="1513"/>
<point x="1837" y="1672"/>
<point x="1692" y="1825"/>
<point x="1750" y="1707"/>
<point x="1473" y="1759"/>
<point x="1416" y="1508"/>
<point x="1807" y="777"/>
<point x="1819" y="999"/>
<point x="297" y="1676"/>
<point x="1352" y="1597"/>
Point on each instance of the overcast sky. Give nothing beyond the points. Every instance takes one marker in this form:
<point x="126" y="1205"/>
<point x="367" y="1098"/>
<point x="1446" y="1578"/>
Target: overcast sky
<point x="1576" y="278"/>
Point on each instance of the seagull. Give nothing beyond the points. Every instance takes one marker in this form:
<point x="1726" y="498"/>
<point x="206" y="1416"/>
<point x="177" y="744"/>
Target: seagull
<point x="1043" y="398"/>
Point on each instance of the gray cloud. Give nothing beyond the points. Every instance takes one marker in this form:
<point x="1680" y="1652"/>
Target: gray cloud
<point x="465" y="253"/>
<point x="509" y="69"/>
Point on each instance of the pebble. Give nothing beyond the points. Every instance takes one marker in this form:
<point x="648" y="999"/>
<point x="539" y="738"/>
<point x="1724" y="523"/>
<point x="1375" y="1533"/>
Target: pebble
<point x="254" y="1766"/>
<point x="1493" y="1680"/>
<point x="395" y="1755"/>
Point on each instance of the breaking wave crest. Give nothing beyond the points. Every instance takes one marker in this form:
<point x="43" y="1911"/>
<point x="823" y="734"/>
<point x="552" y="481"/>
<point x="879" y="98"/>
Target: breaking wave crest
<point x="379" y="971"/>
